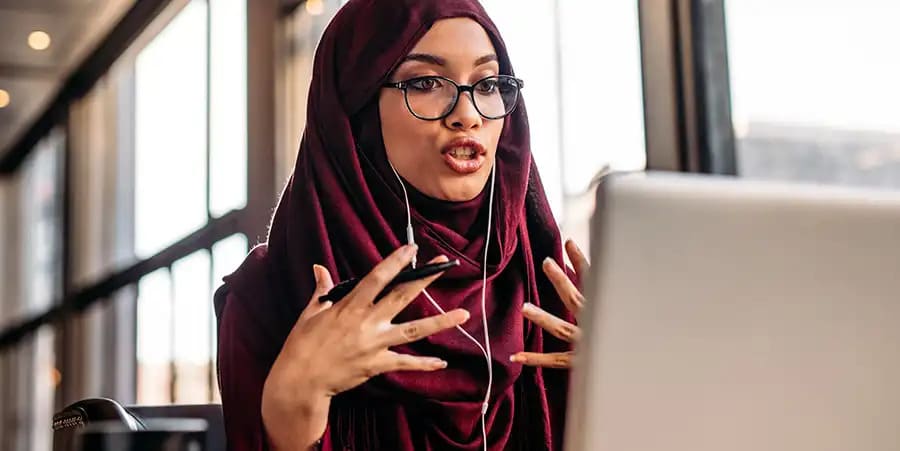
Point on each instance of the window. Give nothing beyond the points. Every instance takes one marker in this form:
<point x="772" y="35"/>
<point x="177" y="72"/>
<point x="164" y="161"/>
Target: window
<point x="193" y="356"/>
<point x="300" y="33"/>
<point x="154" y="339"/>
<point x="584" y="95"/>
<point x="32" y="284"/>
<point x="814" y="90"/>
<point x="43" y="222"/>
<point x="191" y="166"/>
<point x="228" y="105"/>
<point x="170" y="132"/>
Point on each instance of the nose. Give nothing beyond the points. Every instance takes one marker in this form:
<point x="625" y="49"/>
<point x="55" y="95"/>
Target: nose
<point x="464" y="115"/>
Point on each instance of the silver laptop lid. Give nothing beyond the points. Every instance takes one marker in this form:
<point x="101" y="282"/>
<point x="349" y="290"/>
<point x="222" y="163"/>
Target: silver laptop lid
<point x="736" y="315"/>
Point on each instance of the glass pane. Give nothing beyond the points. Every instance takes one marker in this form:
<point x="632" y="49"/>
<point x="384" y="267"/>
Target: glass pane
<point x="814" y="90"/>
<point x="170" y="132"/>
<point x="32" y="285"/>
<point x="584" y="95"/>
<point x="228" y="105"/>
<point x="42" y="223"/>
<point x="300" y="35"/>
<point x="154" y="338"/>
<point x="44" y="380"/>
<point x="193" y="303"/>
<point x="603" y="108"/>
<point x="602" y="90"/>
<point x="227" y="256"/>
<point x="530" y="53"/>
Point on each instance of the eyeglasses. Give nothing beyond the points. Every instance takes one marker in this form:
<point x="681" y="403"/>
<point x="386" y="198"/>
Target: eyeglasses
<point x="433" y="97"/>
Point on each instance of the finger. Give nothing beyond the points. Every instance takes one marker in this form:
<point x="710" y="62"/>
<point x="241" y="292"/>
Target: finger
<point x="579" y="261"/>
<point x="560" y="328"/>
<point x="403" y="294"/>
<point x="567" y="290"/>
<point x="323" y="285"/>
<point x="398" y="334"/>
<point x="549" y="360"/>
<point x="393" y="361"/>
<point x="374" y="282"/>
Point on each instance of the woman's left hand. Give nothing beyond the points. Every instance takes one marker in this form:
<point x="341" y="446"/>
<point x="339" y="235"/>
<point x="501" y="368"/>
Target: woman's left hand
<point x="574" y="301"/>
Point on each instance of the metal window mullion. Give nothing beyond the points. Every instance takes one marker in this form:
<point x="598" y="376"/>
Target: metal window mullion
<point x="713" y="88"/>
<point x="211" y="363"/>
<point x="658" y="74"/>
<point x="687" y="104"/>
<point x="173" y="367"/>
<point x="208" y="109"/>
<point x="63" y="327"/>
<point x="262" y="19"/>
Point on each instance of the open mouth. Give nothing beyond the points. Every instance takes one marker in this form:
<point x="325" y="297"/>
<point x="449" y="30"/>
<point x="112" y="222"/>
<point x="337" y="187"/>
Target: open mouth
<point x="464" y="155"/>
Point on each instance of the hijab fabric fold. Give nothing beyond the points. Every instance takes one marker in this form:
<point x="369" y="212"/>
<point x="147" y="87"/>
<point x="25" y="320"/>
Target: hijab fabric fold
<point x="344" y="209"/>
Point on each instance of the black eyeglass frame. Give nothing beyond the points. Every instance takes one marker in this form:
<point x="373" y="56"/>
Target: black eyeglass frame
<point x="404" y="84"/>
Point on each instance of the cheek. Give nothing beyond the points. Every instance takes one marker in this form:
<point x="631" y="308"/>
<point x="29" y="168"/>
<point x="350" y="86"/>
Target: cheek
<point x="402" y="132"/>
<point x="494" y="129"/>
<point x="391" y="119"/>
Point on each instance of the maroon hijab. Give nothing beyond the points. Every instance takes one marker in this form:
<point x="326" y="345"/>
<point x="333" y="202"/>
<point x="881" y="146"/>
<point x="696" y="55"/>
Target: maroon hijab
<point x="343" y="209"/>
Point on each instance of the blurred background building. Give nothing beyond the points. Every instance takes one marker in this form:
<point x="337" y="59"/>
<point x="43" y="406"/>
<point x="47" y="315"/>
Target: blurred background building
<point x="143" y="145"/>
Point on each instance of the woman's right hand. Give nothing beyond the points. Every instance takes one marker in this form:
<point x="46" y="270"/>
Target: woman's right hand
<point x="332" y="349"/>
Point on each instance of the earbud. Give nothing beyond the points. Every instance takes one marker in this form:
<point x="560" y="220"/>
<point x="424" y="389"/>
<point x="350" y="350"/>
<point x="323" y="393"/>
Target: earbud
<point x="486" y="349"/>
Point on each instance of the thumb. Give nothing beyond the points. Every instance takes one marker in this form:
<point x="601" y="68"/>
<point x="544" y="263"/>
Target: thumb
<point x="323" y="284"/>
<point x="323" y="280"/>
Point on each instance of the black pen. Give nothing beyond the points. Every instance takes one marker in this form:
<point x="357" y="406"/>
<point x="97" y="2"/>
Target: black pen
<point x="407" y="275"/>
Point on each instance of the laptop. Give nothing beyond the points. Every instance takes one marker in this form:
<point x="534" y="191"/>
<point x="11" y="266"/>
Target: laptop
<point x="726" y="314"/>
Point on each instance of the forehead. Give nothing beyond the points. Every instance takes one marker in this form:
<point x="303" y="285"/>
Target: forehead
<point x="455" y="38"/>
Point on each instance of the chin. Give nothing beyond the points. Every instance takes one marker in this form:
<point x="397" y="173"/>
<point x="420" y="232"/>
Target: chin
<point x="460" y="190"/>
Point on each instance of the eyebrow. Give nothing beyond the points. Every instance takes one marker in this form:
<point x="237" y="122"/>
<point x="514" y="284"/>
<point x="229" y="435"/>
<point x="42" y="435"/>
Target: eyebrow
<point x="438" y="61"/>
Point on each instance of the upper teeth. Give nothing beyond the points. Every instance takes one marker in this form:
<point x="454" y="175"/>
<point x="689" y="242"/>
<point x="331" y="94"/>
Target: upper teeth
<point x="462" y="152"/>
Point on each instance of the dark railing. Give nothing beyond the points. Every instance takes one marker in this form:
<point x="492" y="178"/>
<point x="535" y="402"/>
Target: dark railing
<point x="217" y="229"/>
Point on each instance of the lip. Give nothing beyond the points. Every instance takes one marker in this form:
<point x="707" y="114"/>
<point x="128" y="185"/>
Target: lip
<point x="464" y="166"/>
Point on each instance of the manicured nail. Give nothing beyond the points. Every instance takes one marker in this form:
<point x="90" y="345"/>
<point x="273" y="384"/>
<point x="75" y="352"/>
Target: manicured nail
<point x="466" y="315"/>
<point x="548" y="261"/>
<point x="439" y="259"/>
<point x="438" y="363"/>
<point x="316" y="273"/>
<point x="515" y="358"/>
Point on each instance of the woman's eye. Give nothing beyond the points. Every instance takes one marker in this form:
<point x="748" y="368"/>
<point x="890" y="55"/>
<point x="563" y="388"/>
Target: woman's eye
<point x="487" y="86"/>
<point x="425" y="84"/>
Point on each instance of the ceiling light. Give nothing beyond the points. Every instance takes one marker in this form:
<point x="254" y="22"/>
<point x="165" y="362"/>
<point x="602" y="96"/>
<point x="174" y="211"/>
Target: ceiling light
<point x="314" y="7"/>
<point x="4" y="99"/>
<point x="39" y="40"/>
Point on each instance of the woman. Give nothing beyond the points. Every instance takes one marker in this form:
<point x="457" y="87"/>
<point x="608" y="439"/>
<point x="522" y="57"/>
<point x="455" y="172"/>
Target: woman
<point x="388" y="129"/>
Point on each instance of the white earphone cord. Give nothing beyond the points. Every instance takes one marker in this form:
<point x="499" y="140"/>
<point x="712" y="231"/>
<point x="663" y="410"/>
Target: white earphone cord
<point x="486" y="349"/>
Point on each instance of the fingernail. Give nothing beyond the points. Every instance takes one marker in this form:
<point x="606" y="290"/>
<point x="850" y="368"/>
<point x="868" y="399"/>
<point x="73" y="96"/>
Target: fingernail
<point x="316" y="273"/>
<point x="515" y="358"/>
<point x="411" y="250"/>
<point x="527" y="307"/>
<point x="548" y="261"/>
<point x="466" y="315"/>
<point x="439" y="363"/>
<point x="439" y="258"/>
